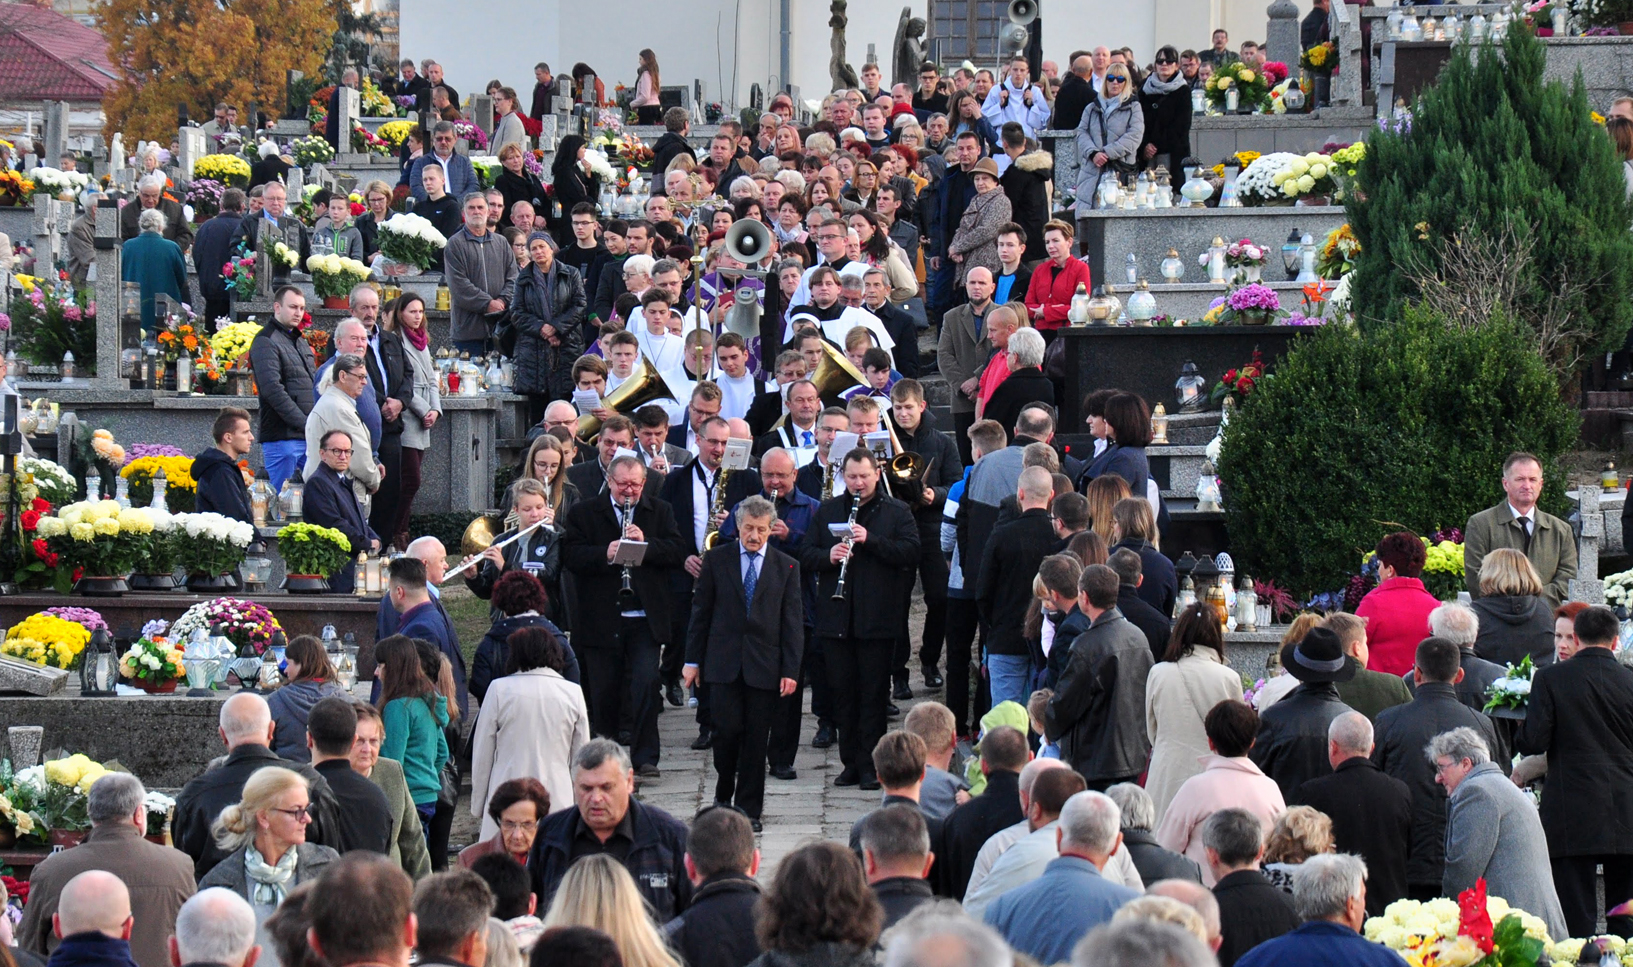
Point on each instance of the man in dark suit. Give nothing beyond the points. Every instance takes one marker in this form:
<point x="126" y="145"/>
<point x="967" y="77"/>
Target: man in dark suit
<point x="1004" y="753"/>
<point x="286" y="228"/>
<point x="693" y="493"/>
<point x="1581" y="714"/>
<point x="1251" y="908"/>
<point x="1154" y="623"/>
<point x="620" y="634"/>
<point x="763" y="413"/>
<point x="798" y="431"/>
<point x="590" y="476"/>
<point x="392" y="378"/>
<point x="812" y="476"/>
<point x="328" y="501"/>
<point x="421" y="615"/>
<point x="858" y="623"/>
<point x="1371" y="811"/>
<point x="745" y="641"/>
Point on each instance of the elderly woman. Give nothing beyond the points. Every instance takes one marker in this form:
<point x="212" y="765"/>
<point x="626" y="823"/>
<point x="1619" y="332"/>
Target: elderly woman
<point x="521" y="600"/>
<point x="408" y="848"/>
<point x="1025" y="384"/>
<point x="1300" y="833"/>
<point x="1191" y="678"/>
<point x="309" y="677"/>
<point x="155" y="263"/>
<point x="336" y="409"/>
<point x="547" y="316"/>
<point x="818" y="911"/>
<point x="1492" y="830"/>
<point x="1397" y="610"/>
<point x="975" y="242"/>
<point x="1108" y="136"/>
<point x="406" y="316"/>
<point x="533" y="722"/>
<point x="517" y="807"/>
<point x="265" y="832"/>
<point x="269" y="166"/>
<point x="1152" y="861"/>
<point x="1228" y="780"/>
<point x="1515" y="619"/>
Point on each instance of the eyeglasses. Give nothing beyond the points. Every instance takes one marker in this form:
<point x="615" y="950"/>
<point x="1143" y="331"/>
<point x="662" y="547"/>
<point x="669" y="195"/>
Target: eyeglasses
<point x="1116" y="80"/>
<point x="298" y="813"/>
<point x="506" y="826"/>
<point x="345" y="453"/>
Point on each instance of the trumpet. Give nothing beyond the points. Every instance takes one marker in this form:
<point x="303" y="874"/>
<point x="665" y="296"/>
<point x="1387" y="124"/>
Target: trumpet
<point x="626" y="594"/>
<point x="850" y="545"/>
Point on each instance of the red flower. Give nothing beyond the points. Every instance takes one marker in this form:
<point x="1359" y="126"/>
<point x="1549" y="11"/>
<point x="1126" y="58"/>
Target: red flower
<point x="357" y="208"/>
<point x="1473" y="920"/>
<point x="79" y="572"/>
<point x="1244" y="385"/>
<point x="31" y="520"/>
<point x="52" y="559"/>
<point x="40" y="550"/>
<point x="1230" y="376"/>
<point x="41" y="504"/>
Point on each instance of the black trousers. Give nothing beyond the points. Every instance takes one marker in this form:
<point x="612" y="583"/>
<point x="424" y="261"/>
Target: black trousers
<point x="674" y="655"/>
<point x="785" y="721"/>
<point x="1578" y="899"/>
<point x="859" y="673"/>
<point x="963" y="620"/>
<point x="961" y="431"/>
<point x="216" y="308"/>
<point x="383" y="510"/>
<point x="742" y="720"/>
<point x="624" y="677"/>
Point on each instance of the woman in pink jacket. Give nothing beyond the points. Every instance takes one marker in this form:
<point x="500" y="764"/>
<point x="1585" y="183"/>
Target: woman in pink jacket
<point x="1397" y="610"/>
<point x="1229" y="780"/>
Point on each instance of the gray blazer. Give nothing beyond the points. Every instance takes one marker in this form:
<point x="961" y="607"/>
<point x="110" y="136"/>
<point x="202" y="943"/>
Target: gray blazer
<point x="425" y="399"/>
<point x="310" y="861"/>
<point x="1493" y="830"/>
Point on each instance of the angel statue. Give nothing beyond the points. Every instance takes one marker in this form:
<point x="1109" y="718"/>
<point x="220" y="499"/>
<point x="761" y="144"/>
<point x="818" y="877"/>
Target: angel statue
<point x="909" y="49"/>
<point x="843" y="75"/>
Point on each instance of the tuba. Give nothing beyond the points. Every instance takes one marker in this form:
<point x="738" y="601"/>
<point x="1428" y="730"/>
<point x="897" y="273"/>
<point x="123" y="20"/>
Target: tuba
<point x="834" y="375"/>
<point x="642" y="387"/>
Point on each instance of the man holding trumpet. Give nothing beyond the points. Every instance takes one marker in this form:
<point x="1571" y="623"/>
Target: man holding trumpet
<point x="869" y="538"/>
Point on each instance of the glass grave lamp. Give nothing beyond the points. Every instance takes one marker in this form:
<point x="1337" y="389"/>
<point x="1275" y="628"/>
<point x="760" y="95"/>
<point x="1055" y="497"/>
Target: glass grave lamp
<point x="1306" y="259"/>
<point x="1196" y="190"/>
<point x="99" y="666"/>
<point x="1142" y="305"/>
<point x="1131" y="268"/>
<point x="1078" y="314"/>
<point x="1289" y="254"/>
<point x="1173" y="269"/>
<point x="1101" y="308"/>
<point x="289" y="499"/>
<point x="159" y="487"/>
<point x="1247" y="606"/>
<point x="1216" y="261"/>
<point x="1188" y="388"/>
<point x="1159" y="424"/>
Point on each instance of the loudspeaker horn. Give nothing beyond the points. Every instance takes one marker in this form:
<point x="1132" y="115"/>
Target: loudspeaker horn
<point x="1012" y="39"/>
<point x="748" y="240"/>
<point x="743" y="317"/>
<point x="1023" y="12"/>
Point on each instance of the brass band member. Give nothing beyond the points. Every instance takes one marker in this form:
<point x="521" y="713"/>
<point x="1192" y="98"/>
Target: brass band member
<point x="820" y="478"/>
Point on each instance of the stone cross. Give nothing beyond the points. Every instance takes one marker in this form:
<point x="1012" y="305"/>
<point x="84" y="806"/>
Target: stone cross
<point x="1281" y="34"/>
<point x="52" y="220"/>
<point x="265" y="237"/>
<point x="191" y="143"/>
<point x="350" y="109"/>
<point x="295" y="184"/>
<point x="109" y="307"/>
<point x="562" y="102"/>
<point x="1586" y="586"/>
<point x="56" y="131"/>
<point x="481" y="113"/>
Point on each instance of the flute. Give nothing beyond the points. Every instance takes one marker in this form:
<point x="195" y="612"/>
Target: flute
<point x="530" y="528"/>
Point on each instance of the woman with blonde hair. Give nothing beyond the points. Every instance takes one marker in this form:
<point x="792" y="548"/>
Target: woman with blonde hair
<point x="1515" y="619"/>
<point x="1300" y="833"/>
<point x="1104" y="494"/>
<point x="598" y="892"/>
<point x="1108" y="136"/>
<point x="265" y="834"/>
<point x="546" y="462"/>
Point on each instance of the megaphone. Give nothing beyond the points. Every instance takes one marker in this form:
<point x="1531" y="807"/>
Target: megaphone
<point x="1023" y="12"/>
<point x="748" y="241"/>
<point x="1012" y="39"/>
<point x="743" y="317"/>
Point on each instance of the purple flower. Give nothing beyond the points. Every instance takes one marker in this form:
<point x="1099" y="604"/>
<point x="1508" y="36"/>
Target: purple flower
<point x="5" y="322"/>
<point x="1254" y="296"/>
<point x="1298" y="318"/>
<point x="1216" y="303"/>
<point x="84" y="616"/>
<point x="139" y="450"/>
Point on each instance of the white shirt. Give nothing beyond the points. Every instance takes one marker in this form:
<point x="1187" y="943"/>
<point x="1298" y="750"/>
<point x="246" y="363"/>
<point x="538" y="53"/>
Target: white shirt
<point x="994" y="861"/>
<point x="737" y="394"/>
<point x="794" y="438"/>
<point x="703" y="483"/>
<point x="1532" y="516"/>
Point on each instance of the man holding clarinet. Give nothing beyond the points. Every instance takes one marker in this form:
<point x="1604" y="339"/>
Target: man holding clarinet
<point x="863" y="546"/>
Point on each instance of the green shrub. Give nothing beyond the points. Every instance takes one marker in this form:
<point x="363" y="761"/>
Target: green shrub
<point x="1361" y="431"/>
<point x="446" y="527"/>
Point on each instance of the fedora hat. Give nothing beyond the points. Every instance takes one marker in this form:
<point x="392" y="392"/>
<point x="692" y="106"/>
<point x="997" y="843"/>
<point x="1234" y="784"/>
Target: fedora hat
<point x="1319" y="657"/>
<point x="986" y="166"/>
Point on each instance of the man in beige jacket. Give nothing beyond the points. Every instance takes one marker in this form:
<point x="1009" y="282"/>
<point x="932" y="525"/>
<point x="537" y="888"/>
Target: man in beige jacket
<point x="1519" y="524"/>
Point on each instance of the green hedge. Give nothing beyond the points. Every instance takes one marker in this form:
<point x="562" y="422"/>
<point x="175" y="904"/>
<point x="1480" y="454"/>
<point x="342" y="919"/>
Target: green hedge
<point x="1360" y="432"/>
<point x="446" y="527"/>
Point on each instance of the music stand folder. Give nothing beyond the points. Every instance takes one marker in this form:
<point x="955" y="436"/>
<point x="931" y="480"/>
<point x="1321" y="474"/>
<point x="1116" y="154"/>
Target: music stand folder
<point x="629" y="553"/>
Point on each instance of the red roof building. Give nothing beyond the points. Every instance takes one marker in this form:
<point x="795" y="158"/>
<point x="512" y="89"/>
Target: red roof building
<point x="45" y="56"/>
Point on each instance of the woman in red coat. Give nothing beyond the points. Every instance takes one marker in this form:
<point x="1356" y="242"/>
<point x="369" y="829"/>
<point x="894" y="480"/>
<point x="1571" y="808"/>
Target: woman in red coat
<point x="1397" y="610"/>
<point x="1049" y="296"/>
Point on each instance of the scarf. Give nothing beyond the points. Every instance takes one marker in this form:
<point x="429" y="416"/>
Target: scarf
<point x="1108" y="105"/>
<point x="1156" y="85"/>
<point x="418" y="338"/>
<point x="785" y="237"/>
<point x="269" y="884"/>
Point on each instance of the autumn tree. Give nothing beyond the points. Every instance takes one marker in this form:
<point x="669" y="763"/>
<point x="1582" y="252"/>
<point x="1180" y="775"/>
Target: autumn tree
<point x="198" y="52"/>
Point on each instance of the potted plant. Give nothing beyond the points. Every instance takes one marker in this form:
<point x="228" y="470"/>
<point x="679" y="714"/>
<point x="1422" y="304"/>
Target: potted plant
<point x="334" y="277"/>
<point x="1254" y="304"/>
<point x="49" y="801"/>
<point x="409" y="240"/>
<point x="98" y="543"/>
<point x="156" y="571"/>
<point x="209" y="548"/>
<point x="47" y="639"/>
<point x="311" y="553"/>
<point x="1247" y="258"/>
<point x="243" y="622"/>
<point x="153" y="665"/>
<point x="180" y="488"/>
<point x="1237" y="87"/>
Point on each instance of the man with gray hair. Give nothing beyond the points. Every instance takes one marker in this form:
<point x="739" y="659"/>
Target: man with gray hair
<point x="216" y="927"/>
<point x="286" y="227"/>
<point x="1492" y="830"/>
<point x="1047" y="917"/>
<point x="942" y="939"/>
<point x="1371" y="811"/>
<point x="159" y="878"/>
<point x="1025" y="383"/>
<point x="1140" y="842"/>
<point x="480" y="271"/>
<point x="606" y="818"/>
<point x="896" y="858"/>
<point x="1140" y="943"/>
<point x="1329" y="891"/>
<point x="150" y="196"/>
<point x="1251" y="908"/>
<point x="246" y="728"/>
<point x="1003" y="591"/>
<point x="745" y="641"/>
<point x="1458" y="624"/>
<point x="459" y="176"/>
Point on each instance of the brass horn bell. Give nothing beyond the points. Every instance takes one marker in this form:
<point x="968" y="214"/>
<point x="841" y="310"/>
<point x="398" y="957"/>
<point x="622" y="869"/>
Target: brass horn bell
<point x="642" y="387"/>
<point x="479" y="534"/>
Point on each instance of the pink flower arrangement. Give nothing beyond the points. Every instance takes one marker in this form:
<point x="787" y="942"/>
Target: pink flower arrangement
<point x="1254" y="297"/>
<point x="84" y="616"/>
<point x="1274" y="72"/>
<point x="471" y="133"/>
<point x="5" y="322"/>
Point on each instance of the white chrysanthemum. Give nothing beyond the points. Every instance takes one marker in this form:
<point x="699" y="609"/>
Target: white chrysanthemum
<point x="1400" y="910"/>
<point x="52" y="527"/>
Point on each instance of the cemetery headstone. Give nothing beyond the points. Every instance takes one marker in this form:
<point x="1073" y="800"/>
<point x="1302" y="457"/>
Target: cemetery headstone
<point x="350" y="109"/>
<point x="108" y="302"/>
<point x="1281" y="34"/>
<point x="481" y="113"/>
<point x="1586" y="586"/>
<point x="192" y="144"/>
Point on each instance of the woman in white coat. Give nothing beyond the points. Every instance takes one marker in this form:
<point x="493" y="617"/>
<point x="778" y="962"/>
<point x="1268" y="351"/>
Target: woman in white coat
<point x="1191" y="679"/>
<point x="532" y="723"/>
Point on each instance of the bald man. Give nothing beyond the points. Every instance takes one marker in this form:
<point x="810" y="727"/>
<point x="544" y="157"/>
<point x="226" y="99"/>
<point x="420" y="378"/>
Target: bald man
<point x="246" y="729"/>
<point x="1004" y="589"/>
<point x="93" y="923"/>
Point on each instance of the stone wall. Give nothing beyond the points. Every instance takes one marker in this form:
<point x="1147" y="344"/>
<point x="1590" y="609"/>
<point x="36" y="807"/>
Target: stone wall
<point x="1106" y="237"/>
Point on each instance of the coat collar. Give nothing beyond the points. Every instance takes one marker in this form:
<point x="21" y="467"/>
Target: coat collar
<point x="1357" y="762"/>
<point x="1214" y="762"/>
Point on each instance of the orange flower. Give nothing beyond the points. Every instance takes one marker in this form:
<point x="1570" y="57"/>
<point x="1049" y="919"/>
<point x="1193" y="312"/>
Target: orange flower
<point x="191" y="342"/>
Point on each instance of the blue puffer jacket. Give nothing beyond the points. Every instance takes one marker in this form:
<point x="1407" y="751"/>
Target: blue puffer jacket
<point x="290" y="706"/>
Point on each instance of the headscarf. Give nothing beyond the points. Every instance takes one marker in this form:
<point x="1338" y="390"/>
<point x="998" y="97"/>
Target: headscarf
<point x="566" y="160"/>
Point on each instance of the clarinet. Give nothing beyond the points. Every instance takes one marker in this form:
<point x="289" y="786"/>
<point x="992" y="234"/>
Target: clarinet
<point x="626" y="593"/>
<point x="850" y="544"/>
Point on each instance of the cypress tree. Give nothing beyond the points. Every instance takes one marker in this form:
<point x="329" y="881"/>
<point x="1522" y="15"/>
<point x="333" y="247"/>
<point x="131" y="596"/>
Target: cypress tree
<point x="1494" y="157"/>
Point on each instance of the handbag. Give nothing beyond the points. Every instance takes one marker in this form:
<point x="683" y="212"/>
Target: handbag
<point x="448" y="793"/>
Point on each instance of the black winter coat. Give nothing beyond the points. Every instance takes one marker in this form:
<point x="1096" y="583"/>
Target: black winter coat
<point x="968" y="827"/>
<point x="1581" y="714"/>
<point x="1401" y="733"/>
<point x="1149" y="620"/>
<point x="932" y="443"/>
<point x="1167" y="124"/>
<point x="589" y="526"/>
<point x="1026" y="184"/>
<point x="523" y="187"/>
<point x="220" y="785"/>
<point x="880" y="573"/>
<point x="284" y="374"/>
<point x="1292" y="743"/>
<point x="1513" y="626"/>
<point x="557" y="300"/>
<point x="1019" y="389"/>
<point x="1371" y="814"/>
<point x="1251" y="911"/>
<point x="718" y="928"/>
<point x="212" y="247"/>
<point x="1098" y="712"/>
<point x="493" y="653"/>
<point x="657" y="857"/>
<point x="1156" y="863"/>
<point x="1478" y="674"/>
<point x="1071" y="99"/>
<point x="221" y="487"/>
<point x="1004" y="589"/>
<point x="665" y="150"/>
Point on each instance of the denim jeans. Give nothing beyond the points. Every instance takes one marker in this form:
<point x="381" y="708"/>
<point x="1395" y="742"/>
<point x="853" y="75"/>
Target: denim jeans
<point x="283" y="459"/>
<point x="1011" y="677"/>
<point x="475" y="347"/>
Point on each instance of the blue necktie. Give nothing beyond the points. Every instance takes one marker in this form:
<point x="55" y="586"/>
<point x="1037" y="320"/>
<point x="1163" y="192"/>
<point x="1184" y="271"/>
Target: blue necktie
<point x="750" y="578"/>
<point x="807" y="435"/>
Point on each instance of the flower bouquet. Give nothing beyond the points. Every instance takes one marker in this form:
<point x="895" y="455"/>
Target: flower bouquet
<point x="229" y="169"/>
<point x="100" y="539"/>
<point x="14" y="188"/>
<point x="1460" y="933"/>
<point x="1320" y="59"/>
<point x="52" y="483"/>
<point x="596" y="166"/>
<point x="52" y="317"/>
<point x="310" y="150"/>
<point x="486" y="168"/>
<point x="160" y="808"/>
<point x="365" y="141"/>
<point x="204" y="194"/>
<point x="1238" y="383"/>
<point x="334" y="276"/>
<point x="408" y="239"/>
<point x="1443" y="569"/>
<point x="62" y="185"/>
<point x="239" y="274"/>
<point x="1506" y="697"/>
<point x="46" y="639"/>
<point x="373" y="102"/>
<point x="180" y="488"/>
<point x="153" y="665"/>
<point x="211" y="546"/>
<point x="1250" y="86"/>
<point x="53" y="797"/>
<point x="16" y="823"/>
<point x="178" y="340"/>
<point x="233" y="340"/>
<point x="38" y="567"/>
<point x="1254" y="304"/>
<point x="284" y="257"/>
<point x="1336" y="257"/>
<point x="244" y="622"/>
<point x="471" y="133"/>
